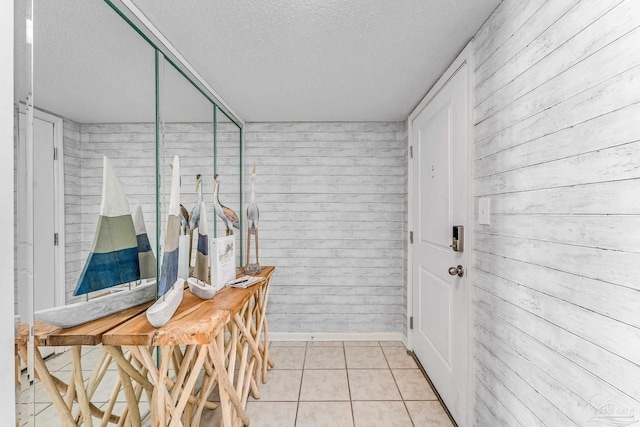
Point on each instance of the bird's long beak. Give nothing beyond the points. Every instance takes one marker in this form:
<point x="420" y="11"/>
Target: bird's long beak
<point x="254" y="170"/>
<point x="198" y="182"/>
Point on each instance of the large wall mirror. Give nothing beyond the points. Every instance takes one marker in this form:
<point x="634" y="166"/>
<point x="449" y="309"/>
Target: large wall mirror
<point x="107" y="101"/>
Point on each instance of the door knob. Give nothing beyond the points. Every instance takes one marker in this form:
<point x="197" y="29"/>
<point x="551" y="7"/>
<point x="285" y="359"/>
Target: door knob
<point x="459" y="270"/>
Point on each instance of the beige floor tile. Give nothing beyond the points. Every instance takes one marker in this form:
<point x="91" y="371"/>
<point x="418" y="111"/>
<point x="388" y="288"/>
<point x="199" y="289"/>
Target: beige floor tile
<point x="380" y="414"/>
<point x="324" y="384"/>
<point x="272" y="414"/>
<point x="361" y="344"/>
<point x="324" y="358"/>
<point x="325" y="344"/>
<point x="25" y="413"/>
<point x="86" y="349"/>
<point x="398" y="358"/>
<point x="287" y="344"/>
<point x="105" y="388"/>
<point x="59" y="362"/>
<point x="324" y="414"/>
<point x="282" y="386"/>
<point x="391" y="344"/>
<point x="48" y="417"/>
<point x="365" y="358"/>
<point x="413" y="385"/>
<point x="287" y="357"/>
<point x="212" y="417"/>
<point x="372" y="384"/>
<point x="428" y="414"/>
<point x="119" y="408"/>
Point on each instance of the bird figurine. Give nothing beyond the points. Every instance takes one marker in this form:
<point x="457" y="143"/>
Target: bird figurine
<point x="228" y="216"/>
<point x="184" y="220"/>
<point x="194" y="216"/>
<point x="253" y="216"/>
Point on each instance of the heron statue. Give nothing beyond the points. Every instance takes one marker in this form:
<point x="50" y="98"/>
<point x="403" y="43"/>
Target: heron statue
<point x="194" y="216"/>
<point x="228" y="216"/>
<point x="253" y="216"/>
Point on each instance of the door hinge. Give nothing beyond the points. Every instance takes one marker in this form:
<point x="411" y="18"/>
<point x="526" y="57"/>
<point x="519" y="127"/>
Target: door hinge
<point x="55" y="153"/>
<point x="411" y="322"/>
<point x="55" y="239"/>
<point x="411" y="237"/>
<point x="411" y="151"/>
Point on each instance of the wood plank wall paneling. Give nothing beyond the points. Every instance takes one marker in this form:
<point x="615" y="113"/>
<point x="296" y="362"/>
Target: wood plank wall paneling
<point x="72" y="204"/>
<point x="557" y="149"/>
<point x="131" y="148"/>
<point x="332" y="200"/>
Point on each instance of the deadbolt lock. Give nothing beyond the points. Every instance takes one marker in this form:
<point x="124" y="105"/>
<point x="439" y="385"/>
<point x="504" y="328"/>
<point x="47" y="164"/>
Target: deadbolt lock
<point x="457" y="271"/>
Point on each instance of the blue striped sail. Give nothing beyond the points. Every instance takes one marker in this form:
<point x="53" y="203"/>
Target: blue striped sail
<point x="113" y="259"/>
<point x="169" y="269"/>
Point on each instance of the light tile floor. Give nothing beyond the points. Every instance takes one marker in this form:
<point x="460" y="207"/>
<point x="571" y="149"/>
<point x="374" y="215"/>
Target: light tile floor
<point x="355" y="384"/>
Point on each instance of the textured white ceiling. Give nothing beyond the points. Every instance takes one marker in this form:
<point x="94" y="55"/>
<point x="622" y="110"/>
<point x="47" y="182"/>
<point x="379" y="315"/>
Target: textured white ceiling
<point x="287" y="60"/>
<point x="319" y="60"/>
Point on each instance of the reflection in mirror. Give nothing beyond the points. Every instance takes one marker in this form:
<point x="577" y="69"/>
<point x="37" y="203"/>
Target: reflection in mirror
<point x="94" y="97"/>
<point x="186" y="135"/>
<point x="23" y="243"/>
<point x="228" y="161"/>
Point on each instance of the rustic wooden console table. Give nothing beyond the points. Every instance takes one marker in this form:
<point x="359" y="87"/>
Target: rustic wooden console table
<point x="204" y="336"/>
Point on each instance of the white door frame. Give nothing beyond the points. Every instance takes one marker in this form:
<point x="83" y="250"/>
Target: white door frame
<point x="466" y="56"/>
<point x="25" y="228"/>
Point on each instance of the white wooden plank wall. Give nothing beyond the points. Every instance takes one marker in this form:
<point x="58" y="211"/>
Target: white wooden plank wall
<point x="557" y="149"/>
<point x="72" y="203"/>
<point x="332" y="199"/>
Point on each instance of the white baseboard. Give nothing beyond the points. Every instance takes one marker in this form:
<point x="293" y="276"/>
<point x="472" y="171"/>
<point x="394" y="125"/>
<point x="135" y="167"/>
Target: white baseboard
<point x="332" y="336"/>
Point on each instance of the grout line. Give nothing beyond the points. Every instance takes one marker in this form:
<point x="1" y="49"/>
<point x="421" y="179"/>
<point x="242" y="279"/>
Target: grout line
<point x="346" y="368"/>
<point x="304" y="361"/>
<point x="398" y="388"/>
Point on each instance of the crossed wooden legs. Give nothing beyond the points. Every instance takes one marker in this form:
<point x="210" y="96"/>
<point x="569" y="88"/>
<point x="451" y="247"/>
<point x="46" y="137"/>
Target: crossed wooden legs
<point x="64" y="394"/>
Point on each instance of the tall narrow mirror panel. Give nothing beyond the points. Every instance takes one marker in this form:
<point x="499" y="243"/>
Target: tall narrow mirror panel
<point x="104" y="113"/>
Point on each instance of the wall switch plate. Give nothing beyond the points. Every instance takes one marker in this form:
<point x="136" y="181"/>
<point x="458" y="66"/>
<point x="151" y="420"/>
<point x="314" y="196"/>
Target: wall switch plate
<point x="484" y="211"/>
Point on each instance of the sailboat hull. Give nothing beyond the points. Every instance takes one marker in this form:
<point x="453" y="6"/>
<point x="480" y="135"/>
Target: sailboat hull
<point x="201" y="289"/>
<point x="162" y="310"/>
<point x="75" y="314"/>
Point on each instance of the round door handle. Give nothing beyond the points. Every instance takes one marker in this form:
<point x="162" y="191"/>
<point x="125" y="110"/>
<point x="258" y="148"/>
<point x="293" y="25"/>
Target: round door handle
<point x="457" y="271"/>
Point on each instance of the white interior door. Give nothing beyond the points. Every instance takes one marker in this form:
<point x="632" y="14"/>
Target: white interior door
<point x="42" y="294"/>
<point x="439" y="202"/>
<point x="43" y="215"/>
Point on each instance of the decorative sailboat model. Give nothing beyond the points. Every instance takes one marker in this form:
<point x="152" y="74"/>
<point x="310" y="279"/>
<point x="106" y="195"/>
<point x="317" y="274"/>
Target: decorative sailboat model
<point x="170" y="286"/>
<point x="120" y="253"/>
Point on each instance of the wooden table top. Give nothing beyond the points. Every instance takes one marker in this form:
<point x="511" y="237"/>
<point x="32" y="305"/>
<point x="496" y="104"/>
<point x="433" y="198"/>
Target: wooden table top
<point x="89" y="333"/>
<point x="196" y="321"/>
<point x="233" y="299"/>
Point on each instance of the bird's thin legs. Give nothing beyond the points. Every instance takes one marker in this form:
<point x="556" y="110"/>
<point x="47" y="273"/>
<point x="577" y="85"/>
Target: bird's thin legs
<point x="257" y="260"/>
<point x="248" y="244"/>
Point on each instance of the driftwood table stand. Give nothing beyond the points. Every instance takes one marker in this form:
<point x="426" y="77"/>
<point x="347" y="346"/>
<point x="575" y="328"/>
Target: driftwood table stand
<point x="72" y="399"/>
<point x="204" y="337"/>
